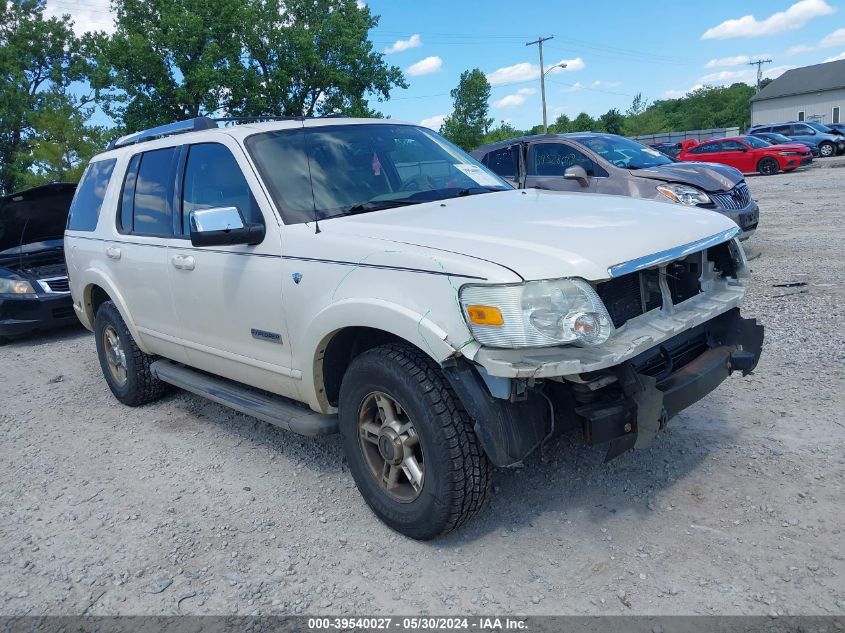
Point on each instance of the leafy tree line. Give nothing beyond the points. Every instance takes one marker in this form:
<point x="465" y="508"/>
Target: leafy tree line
<point x="171" y="60"/>
<point x="470" y="126"/>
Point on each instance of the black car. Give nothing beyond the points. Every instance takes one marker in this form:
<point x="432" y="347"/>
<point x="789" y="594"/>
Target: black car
<point x="34" y="291"/>
<point x="780" y="139"/>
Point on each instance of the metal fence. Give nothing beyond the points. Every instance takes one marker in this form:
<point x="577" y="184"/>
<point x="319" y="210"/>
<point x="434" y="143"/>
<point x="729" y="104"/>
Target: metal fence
<point x="677" y="137"/>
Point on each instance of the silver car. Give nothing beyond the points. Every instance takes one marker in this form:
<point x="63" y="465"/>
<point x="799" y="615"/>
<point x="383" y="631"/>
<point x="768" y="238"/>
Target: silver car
<point x="606" y="163"/>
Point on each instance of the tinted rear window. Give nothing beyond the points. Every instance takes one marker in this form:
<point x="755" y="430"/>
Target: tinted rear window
<point x="152" y="212"/>
<point x="85" y="208"/>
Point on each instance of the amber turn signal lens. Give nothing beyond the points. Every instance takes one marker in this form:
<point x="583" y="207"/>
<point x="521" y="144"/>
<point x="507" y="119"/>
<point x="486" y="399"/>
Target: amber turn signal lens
<point x="485" y="315"/>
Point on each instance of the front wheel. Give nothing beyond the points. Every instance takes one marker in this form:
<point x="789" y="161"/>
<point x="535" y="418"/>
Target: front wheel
<point x="826" y="150"/>
<point x="410" y="444"/>
<point x="768" y="167"/>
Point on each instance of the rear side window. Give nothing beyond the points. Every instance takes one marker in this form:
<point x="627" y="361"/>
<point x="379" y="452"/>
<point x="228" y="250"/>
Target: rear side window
<point x="786" y="130"/>
<point x="147" y="191"/>
<point x="213" y="178"/>
<point x="85" y="208"/>
<point x="502" y="161"/>
<point x="552" y="159"/>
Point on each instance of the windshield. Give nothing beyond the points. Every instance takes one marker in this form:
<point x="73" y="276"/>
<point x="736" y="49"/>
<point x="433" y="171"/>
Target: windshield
<point x="334" y="170"/>
<point x="755" y="142"/>
<point x="624" y="152"/>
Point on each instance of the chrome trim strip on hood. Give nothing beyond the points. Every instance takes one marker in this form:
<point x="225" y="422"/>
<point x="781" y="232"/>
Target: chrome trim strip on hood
<point x="656" y="259"/>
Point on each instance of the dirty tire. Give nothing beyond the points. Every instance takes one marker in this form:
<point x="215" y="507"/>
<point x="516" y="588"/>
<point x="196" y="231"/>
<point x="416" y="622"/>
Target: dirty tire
<point x="140" y="385"/>
<point x="826" y="150"/>
<point x="457" y="473"/>
<point x="768" y="167"/>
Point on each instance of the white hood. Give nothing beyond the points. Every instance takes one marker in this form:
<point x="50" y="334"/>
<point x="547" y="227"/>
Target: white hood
<point x="540" y="234"/>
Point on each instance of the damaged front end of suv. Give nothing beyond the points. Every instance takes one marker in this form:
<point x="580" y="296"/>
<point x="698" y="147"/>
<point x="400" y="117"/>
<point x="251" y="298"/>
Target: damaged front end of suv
<point x="616" y="359"/>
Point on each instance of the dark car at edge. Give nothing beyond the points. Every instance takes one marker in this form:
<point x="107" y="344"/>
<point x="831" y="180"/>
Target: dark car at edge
<point x="591" y="162"/>
<point x="34" y="293"/>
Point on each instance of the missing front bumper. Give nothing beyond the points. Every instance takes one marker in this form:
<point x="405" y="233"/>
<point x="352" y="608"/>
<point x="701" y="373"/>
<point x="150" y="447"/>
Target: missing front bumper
<point x="655" y="386"/>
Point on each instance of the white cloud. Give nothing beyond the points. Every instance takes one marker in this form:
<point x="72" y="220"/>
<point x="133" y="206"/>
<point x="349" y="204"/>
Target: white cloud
<point x="798" y="49"/>
<point x="360" y="4"/>
<point x="514" y="100"/>
<point x="728" y="61"/>
<point x="434" y="122"/>
<point x="837" y="38"/>
<point x="527" y="71"/>
<point x="90" y="15"/>
<point x="425" y="66"/>
<point x="576" y="87"/>
<point x="598" y="83"/>
<point x="836" y="58"/>
<point x="403" y="45"/>
<point x="795" y="17"/>
<point x="749" y="76"/>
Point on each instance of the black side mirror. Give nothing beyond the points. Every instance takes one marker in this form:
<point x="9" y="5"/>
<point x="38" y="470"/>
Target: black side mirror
<point x="576" y="172"/>
<point x="223" y="226"/>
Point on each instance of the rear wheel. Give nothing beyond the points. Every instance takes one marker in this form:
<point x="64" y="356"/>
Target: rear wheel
<point x="826" y="150"/>
<point x="768" y="166"/>
<point x="125" y="367"/>
<point x="410" y="444"/>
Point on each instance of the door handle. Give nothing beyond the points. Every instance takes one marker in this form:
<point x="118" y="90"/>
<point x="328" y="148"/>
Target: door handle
<point x="113" y="252"/>
<point x="183" y="262"/>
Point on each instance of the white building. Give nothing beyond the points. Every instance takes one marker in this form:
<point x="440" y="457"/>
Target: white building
<point x="811" y="93"/>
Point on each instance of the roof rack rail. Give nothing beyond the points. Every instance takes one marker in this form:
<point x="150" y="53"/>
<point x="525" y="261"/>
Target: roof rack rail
<point x="202" y="123"/>
<point x="179" y="127"/>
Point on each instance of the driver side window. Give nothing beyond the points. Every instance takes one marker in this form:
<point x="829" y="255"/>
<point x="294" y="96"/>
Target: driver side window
<point x="212" y="179"/>
<point x="553" y="159"/>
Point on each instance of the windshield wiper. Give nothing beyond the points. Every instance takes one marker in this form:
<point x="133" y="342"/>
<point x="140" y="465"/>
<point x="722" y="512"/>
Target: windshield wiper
<point x="378" y="205"/>
<point x="471" y="191"/>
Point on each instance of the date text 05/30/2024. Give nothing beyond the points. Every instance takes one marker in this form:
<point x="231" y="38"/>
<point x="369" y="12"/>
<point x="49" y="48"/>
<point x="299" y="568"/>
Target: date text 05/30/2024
<point x="417" y="623"/>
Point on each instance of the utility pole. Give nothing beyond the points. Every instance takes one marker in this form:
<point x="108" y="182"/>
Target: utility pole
<point x="759" y="63"/>
<point x="539" y="41"/>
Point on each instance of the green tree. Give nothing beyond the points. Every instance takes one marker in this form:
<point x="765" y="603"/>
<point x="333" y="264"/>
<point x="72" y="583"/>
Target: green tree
<point x="468" y="123"/>
<point x="310" y="56"/>
<point x="612" y="121"/>
<point x="583" y="123"/>
<point x="38" y="62"/>
<point x="503" y="132"/>
<point x="561" y="125"/>
<point x="175" y="60"/>
<point x="638" y="105"/>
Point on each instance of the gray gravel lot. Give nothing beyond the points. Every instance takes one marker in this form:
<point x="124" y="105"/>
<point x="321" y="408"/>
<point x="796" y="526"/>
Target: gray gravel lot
<point x="185" y="507"/>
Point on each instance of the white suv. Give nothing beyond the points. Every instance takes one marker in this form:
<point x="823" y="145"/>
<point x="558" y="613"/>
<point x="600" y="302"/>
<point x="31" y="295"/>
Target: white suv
<point x="368" y="277"/>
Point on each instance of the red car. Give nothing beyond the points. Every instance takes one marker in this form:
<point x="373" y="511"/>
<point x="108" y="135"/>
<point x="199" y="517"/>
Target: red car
<point x="749" y="154"/>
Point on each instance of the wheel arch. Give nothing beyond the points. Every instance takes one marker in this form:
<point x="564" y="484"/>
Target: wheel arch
<point x="96" y="290"/>
<point x="347" y="328"/>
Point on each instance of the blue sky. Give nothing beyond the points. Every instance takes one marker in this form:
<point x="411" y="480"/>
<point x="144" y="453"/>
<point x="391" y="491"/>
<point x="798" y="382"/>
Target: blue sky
<point x="613" y="49"/>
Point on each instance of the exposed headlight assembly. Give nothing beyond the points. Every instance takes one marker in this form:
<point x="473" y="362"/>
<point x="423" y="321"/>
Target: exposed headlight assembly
<point x="684" y="194"/>
<point x="12" y="286"/>
<point x="536" y="314"/>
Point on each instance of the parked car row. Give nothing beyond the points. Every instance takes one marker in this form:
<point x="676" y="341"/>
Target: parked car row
<point x="826" y="140"/>
<point x="589" y="162"/>
<point x="749" y="154"/>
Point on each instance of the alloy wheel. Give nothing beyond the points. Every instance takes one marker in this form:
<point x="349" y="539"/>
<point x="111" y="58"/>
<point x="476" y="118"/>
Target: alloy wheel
<point x="391" y="447"/>
<point x="115" y="355"/>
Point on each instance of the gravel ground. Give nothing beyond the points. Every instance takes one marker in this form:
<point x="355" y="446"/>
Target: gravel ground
<point x="185" y="507"/>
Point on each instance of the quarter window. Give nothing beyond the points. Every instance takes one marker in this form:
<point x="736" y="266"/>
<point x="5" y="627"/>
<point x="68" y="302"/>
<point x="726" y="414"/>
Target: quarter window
<point x="213" y="178"/>
<point x="85" y="208"/>
<point x="552" y="159"/>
